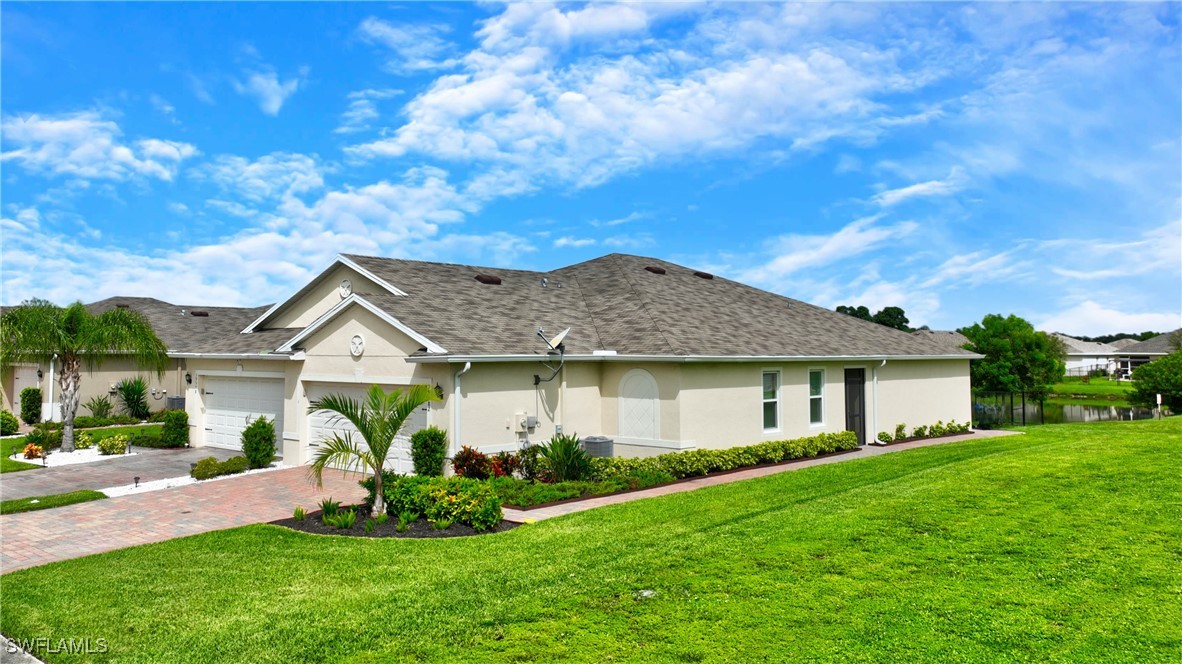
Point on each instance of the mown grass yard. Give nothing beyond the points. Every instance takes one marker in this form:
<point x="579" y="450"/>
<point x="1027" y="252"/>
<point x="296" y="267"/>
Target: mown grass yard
<point x="1095" y="388"/>
<point x="1064" y="544"/>
<point x="10" y="446"/>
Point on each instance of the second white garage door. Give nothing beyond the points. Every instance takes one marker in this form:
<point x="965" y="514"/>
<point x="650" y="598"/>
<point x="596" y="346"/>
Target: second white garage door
<point x="322" y="425"/>
<point x="233" y="403"/>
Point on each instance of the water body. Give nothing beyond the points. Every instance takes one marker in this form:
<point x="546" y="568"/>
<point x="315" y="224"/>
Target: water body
<point x="991" y="412"/>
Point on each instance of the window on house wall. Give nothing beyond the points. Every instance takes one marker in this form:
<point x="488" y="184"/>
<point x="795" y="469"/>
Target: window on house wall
<point x="771" y="400"/>
<point x="816" y="396"/>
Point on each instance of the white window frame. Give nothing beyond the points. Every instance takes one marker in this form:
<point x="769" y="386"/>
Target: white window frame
<point x="776" y="400"/>
<point x="821" y="396"/>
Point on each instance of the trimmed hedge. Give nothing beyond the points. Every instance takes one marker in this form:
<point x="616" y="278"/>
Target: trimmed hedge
<point x="88" y="422"/>
<point x="701" y="462"/>
<point x="176" y="429"/>
<point x="8" y="423"/>
<point x="449" y="499"/>
<point x="428" y="450"/>
<point x="210" y="467"/>
<point x="258" y="442"/>
<point x="31" y="405"/>
<point x="524" y="493"/>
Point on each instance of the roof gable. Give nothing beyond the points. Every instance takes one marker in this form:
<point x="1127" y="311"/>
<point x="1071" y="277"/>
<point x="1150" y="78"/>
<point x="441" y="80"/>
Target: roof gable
<point x="322" y="294"/>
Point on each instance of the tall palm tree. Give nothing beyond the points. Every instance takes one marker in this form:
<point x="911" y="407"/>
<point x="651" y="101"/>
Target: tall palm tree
<point x="378" y="418"/>
<point x="40" y="331"/>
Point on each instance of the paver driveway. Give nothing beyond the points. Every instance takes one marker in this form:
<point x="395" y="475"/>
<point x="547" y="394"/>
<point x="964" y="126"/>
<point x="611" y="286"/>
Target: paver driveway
<point x="147" y="464"/>
<point x="35" y="538"/>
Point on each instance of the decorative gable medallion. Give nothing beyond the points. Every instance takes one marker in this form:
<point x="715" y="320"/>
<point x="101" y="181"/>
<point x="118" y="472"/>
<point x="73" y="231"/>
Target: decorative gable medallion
<point x="346" y="288"/>
<point x="357" y="345"/>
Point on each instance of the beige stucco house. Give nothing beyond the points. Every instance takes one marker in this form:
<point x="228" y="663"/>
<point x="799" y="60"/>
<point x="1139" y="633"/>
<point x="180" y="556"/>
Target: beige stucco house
<point x="658" y="357"/>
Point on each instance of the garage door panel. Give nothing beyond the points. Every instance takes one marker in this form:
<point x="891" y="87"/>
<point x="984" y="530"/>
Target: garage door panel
<point x="231" y="404"/>
<point x="323" y="425"/>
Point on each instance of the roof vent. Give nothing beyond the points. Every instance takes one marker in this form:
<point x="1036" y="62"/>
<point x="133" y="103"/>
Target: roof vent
<point x="488" y="279"/>
<point x="654" y="269"/>
<point x="122" y="306"/>
<point x="703" y="275"/>
<point x="199" y="314"/>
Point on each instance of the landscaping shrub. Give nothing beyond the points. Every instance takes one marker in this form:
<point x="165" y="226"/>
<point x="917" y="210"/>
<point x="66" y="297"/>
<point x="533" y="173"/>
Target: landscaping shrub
<point x="176" y="429"/>
<point x="900" y="431"/>
<point x="565" y="459"/>
<point x="471" y="463"/>
<point x="700" y="462"/>
<point x="937" y="429"/>
<point x="446" y="500"/>
<point x="88" y="422"/>
<point x="99" y="406"/>
<point x="504" y="464"/>
<point x="210" y="467"/>
<point x="920" y="432"/>
<point x="428" y="451"/>
<point x="32" y="451"/>
<point x="31" y="405"/>
<point x="148" y="440"/>
<point x="884" y="437"/>
<point x="530" y="463"/>
<point x="133" y="397"/>
<point x="113" y="445"/>
<point x="8" y="423"/>
<point x="45" y="436"/>
<point x="258" y="442"/>
<point x="83" y="440"/>
<point x="388" y="479"/>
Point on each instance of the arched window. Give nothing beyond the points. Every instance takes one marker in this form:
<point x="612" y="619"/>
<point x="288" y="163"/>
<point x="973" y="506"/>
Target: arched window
<point x="640" y="406"/>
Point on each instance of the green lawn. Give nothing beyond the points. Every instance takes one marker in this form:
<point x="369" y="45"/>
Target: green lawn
<point x="11" y="446"/>
<point x="1064" y="544"/>
<point x="47" y="502"/>
<point x="1105" y="388"/>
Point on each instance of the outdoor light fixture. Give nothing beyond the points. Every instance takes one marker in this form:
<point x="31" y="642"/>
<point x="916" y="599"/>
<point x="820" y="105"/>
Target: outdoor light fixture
<point x="40" y="374"/>
<point x="129" y="447"/>
<point x="188" y="378"/>
<point x="137" y="481"/>
<point x="44" y="458"/>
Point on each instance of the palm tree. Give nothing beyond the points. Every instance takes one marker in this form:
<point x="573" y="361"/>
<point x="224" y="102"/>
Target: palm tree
<point x="378" y="419"/>
<point x="40" y="331"/>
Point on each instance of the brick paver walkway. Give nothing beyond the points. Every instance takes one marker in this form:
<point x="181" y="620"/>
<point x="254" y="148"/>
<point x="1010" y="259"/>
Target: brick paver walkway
<point x="147" y="464"/>
<point x="520" y="516"/>
<point x="35" y="538"/>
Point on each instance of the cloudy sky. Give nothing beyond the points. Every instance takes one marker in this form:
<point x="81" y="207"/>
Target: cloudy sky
<point x="952" y="159"/>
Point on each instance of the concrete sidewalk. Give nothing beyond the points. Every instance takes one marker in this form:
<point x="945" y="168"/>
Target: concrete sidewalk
<point x="541" y="513"/>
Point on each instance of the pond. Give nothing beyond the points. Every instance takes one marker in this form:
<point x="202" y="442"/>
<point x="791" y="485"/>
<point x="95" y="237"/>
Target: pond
<point x="992" y="412"/>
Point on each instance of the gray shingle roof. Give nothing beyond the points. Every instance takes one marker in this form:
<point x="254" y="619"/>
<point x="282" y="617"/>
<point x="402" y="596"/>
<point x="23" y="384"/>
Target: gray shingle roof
<point x="1159" y="345"/>
<point x="946" y="338"/>
<point x="182" y="332"/>
<point x="1081" y="347"/>
<point x="613" y="303"/>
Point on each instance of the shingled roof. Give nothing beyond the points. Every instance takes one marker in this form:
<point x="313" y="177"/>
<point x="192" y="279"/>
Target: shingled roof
<point x="1159" y="345"/>
<point x="183" y="332"/>
<point x="616" y="303"/>
<point x="1080" y="347"/>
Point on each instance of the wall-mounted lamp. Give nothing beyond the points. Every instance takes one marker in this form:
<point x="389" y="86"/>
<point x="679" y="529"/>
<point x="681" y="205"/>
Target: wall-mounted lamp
<point x="40" y="374"/>
<point x="188" y="378"/>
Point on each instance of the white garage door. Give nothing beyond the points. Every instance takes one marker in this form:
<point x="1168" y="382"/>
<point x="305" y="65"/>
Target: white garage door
<point x="233" y="403"/>
<point x="323" y="425"/>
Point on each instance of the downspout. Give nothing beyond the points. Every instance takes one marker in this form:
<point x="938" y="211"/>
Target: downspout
<point x="874" y="389"/>
<point x="455" y="410"/>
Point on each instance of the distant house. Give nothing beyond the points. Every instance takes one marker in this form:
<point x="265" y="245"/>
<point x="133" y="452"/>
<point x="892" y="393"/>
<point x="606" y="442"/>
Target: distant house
<point x="1085" y="357"/>
<point x="187" y="331"/>
<point x="950" y="339"/>
<point x="1121" y="344"/>
<point x="1144" y="352"/>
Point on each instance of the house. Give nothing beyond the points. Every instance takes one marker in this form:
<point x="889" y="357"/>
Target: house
<point x="1087" y="357"/>
<point x="950" y="339"/>
<point x="1143" y="352"/>
<point x="658" y="357"/>
<point x="187" y="331"/>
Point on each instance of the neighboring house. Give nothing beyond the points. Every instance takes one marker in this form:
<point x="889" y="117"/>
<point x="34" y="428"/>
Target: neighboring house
<point x="1084" y="357"/>
<point x="185" y="330"/>
<point x="1121" y="344"/>
<point x="950" y="339"/>
<point x="659" y="358"/>
<point x="1144" y="352"/>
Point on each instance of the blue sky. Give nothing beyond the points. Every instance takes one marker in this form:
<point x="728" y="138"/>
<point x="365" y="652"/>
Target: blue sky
<point x="953" y="159"/>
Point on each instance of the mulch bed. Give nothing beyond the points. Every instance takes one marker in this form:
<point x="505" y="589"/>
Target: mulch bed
<point x="419" y="529"/>
<point x="879" y="443"/>
<point x="592" y="496"/>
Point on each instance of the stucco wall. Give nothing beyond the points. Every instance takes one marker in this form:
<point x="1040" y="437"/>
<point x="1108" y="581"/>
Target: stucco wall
<point x="322" y="297"/>
<point x="915" y="393"/>
<point x="99" y="383"/>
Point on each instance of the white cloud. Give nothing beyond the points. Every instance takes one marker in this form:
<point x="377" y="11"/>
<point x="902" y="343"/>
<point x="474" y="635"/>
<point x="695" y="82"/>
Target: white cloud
<point x="931" y="188"/>
<point x="626" y="219"/>
<point x="164" y="107"/>
<point x="573" y="242"/>
<point x="795" y="252"/>
<point x="416" y="47"/>
<point x="1091" y="318"/>
<point x="268" y="90"/>
<point x="363" y="109"/>
<point x="633" y="241"/>
<point x="85" y="145"/>
<point x="1157" y="251"/>
<point x="270" y="176"/>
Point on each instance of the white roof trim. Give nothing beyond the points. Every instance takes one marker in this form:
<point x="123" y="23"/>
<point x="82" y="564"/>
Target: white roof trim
<point x="340" y="260"/>
<point x="327" y="316"/>
<point x="688" y="358"/>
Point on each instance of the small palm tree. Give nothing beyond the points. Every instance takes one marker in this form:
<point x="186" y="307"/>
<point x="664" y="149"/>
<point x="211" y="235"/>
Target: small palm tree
<point x="378" y="419"/>
<point x="40" y="331"/>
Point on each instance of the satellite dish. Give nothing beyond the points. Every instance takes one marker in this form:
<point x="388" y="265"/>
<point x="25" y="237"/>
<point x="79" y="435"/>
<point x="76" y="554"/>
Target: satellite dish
<point x="557" y="340"/>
